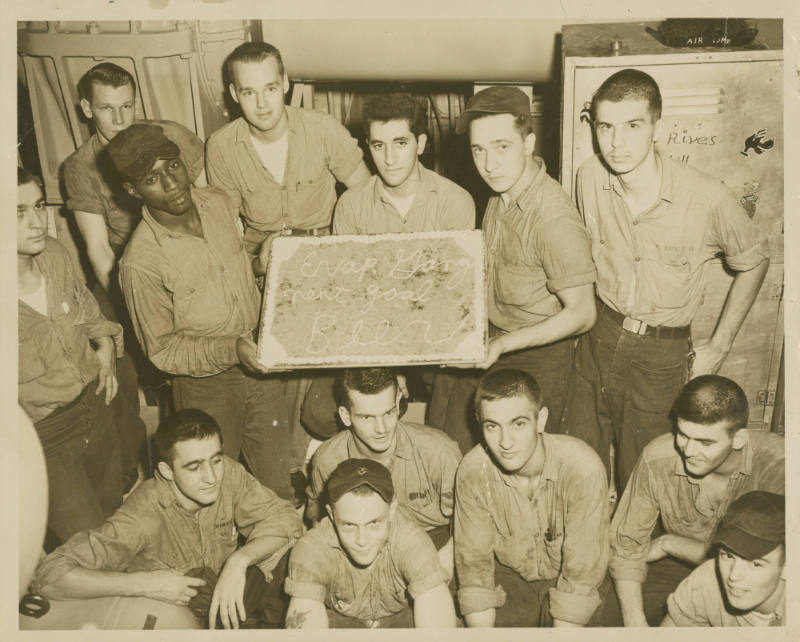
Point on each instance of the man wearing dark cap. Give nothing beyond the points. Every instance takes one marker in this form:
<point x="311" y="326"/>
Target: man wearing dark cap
<point x="360" y="565"/>
<point x="679" y="490"/>
<point x="745" y="585"/>
<point x="539" y="267"/>
<point x="654" y="224"/>
<point x="193" y="300"/>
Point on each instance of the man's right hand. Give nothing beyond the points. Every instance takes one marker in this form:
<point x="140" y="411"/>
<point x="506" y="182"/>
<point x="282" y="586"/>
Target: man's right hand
<point x="248" y="355"/>
<point x="169" y="586"/>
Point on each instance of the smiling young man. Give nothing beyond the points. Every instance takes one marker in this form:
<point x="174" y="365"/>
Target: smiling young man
<point x="362" y="564"/>
<point x="539" y="264"/>
<point x="176" y="536"/>
<point x="531" y="515"/>
<point x="745" y="585"/>
<point x="422" y="460"/>
<point x="685" y="481"/>
<point x="67" y="372"/>
<point x="194" y="303"/>
<point x="405" y="196"/>
<point x="654" y="224"/>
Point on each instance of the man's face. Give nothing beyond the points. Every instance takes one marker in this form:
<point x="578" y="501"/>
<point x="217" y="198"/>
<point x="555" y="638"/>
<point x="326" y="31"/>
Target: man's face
<point x="165" y="187"/>
<point x="750" y="583"/>
<point x="511" y="430"/>
<point x="196" y="470"/>
<point x="499" y="151"/>
<point x="111" y="108"/>
<point x="31" y="219"/>
<point x="395" y="150"/>
<point x="625" y="133"/>
<point x="259" y="89"/>
<point x="373" y="418"/>
<point x="703" y="447"/>
<point x="362" y="523"/>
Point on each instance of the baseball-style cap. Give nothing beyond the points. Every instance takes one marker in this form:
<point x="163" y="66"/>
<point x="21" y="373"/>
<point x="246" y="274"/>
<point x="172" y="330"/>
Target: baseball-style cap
<point x="494" y="100"/>
<point x="754" y="525"/>
<point x="135" y="149"/>
<point x="352" y="473"/>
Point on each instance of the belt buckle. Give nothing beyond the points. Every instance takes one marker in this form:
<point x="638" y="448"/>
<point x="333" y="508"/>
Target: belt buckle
<point x="634" y="325"/>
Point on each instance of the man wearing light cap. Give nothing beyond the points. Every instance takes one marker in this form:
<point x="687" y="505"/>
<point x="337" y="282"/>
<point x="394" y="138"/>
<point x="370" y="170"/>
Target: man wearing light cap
<point x="539" y="266"/>
<point x="745" y="585"/>
<point x="193" y="301"/>
<point x="358" y="567"/>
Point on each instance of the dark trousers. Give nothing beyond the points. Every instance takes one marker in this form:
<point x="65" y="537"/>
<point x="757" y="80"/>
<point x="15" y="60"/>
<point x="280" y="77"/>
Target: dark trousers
<point x="255" y="414"/>
<point x="81" y="450"/>
<point x="265" y="603"/>
<point x="663" y="578"/>
<point x="452" y="409"/>
<point x="622" y="391"/>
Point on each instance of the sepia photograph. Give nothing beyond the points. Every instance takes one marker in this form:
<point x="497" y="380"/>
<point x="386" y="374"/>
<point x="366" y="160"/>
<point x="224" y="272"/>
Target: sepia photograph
<point x="385" y="317"/>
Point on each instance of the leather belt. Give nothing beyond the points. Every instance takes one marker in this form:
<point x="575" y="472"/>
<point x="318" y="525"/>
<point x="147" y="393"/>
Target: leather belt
<point x="641" y="328"/>
<point x="293" y="231"/>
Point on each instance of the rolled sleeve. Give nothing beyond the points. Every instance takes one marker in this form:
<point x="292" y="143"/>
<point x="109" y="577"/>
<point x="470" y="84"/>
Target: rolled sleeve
<point x="342" y="153"/>
<point x="172" y="351"/>
<point x="584" y="556"/>
<point x="735" y="234"/>
<point x="417" y="559"/>
<point x="309" y="574"/>
<point x="687" y="603"/>
<point x="473" y="538"/>
<point x="82" y="192"/>
<point x="566" y="254"/>
<point x="473" y="599"/>
<point x="632" y="526"/>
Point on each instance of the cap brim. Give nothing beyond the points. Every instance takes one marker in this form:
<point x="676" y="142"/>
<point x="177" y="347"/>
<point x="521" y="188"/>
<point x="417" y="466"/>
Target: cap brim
<point x="744" y="544"/>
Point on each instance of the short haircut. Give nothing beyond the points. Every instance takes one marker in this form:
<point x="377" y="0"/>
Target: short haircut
<point x="186" y="424"/>
<point x="382" y="108"/>
<point x="504" y="384"/>
<point x="709" y="399"/>
<point x="629" y="84"/>
<point x="252" y="52"/>
<point x="367" y="381"/>
<point x="24" y="177"/>
<point x="106" y="73"/>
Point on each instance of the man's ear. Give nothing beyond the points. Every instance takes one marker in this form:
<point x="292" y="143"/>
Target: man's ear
<point x="165" y="470"/>
<point x="530" y="143"/>
<point x="739" y="439"/>
<point x="329" y="510"/>
<point x="232" y="91"/>
<point x="392" y="507"/>
<point x="344" y="415"/>
<point x="658" y="129"/>
<point x="541" y="420"/>
<point x="86" y="108"/>
<point x="131" y="189"/>
<point x="422" y="140"/>
<point x="286" y="84"/>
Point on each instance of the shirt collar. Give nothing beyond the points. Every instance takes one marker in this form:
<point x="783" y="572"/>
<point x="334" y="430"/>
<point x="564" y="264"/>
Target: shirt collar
<point x="403" y="447"/>
<point x="665" y="190"/>
<point x="744" y="462"/>
<point x="529" y="197"/>
<point x="160" y="232"/>
<point x="424" y="183"/>
<point x="549" y="468"/>
<point x="242" y="131"/>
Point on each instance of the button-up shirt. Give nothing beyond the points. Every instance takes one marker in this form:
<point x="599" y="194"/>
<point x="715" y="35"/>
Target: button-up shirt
<point x="56" y="358"/>
<point x="535" y="246"/>
<point x="321" y="151"/>
<point x="407" y="564"/>
<point x="660" y="486"/>
<point x="423" y="470"/>
<point x="439" y="204"/>
<point x="652" y="267"/>
<point x="559" y="533"/>
<point x="698" y="601"/>
<point x="191" y="298"/>
<point x="151" y="531"/>
<point x="93" y="186"/>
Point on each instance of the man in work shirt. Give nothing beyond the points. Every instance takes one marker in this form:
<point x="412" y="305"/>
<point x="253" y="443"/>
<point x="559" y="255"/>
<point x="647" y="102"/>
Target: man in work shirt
<point x="531" y="515"/>
<point x="687" y="481"/>
<point x="745" y="585"/>
<point x="176" y="536"/>
<point x="405" y="196"/>
<point x="422" y="460"/>
<point x="194" y="303"/>
<point x="67" y="380"/>
<point x="361" y="566"/>
<point x="654" y="224"/>
<point x="539" y="264"/>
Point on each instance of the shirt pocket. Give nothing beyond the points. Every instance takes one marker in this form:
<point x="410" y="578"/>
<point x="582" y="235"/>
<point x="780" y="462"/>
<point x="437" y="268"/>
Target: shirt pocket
<point x="672" y="270"/>
<point x="201" y="306"/>
<point x="514" y="284"/>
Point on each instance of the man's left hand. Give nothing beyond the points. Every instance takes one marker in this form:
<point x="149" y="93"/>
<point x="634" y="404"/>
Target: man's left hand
<point x="707" y="359"/>
<point x="228" y="595"/>
<point x="106" y="355"/>
<point x="493" y="353"/>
